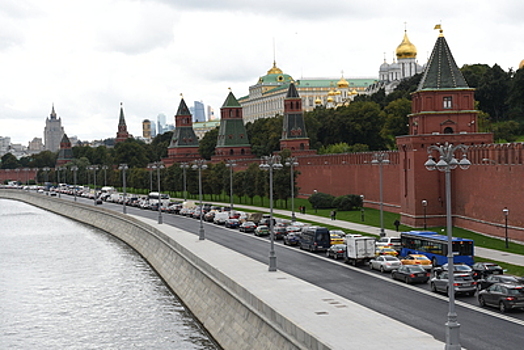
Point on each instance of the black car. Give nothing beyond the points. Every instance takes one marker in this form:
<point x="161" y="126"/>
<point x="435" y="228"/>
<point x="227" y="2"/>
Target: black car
<point x="232" y="223"/>
<point x="483" y="269"/>
<point x="336" y="251"/>
<point x="411" y="274"/>
<point x="292" y="238"/>
<point x="504" y="296"/>
<point x="247" y="226"/>
<point x="279" y="232"/>
<point x="484" y="283"/>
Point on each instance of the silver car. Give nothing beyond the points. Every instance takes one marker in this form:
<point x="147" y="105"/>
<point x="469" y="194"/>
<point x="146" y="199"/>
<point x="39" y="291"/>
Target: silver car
<point x="385" y="263"/>
<point x="462" y="282"/>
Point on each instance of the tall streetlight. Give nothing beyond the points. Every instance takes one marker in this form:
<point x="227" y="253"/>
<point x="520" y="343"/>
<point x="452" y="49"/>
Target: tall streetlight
<point x="74" y="169"/>
<point x="184" y="167"/>
<point x="271" y="163"/>
<point x="26" y="171"/>
<point x="57" y="172"/>
<point x="362" y="208"/>
<point x="94" y="168"/>
<point x="124" y="167"/>
<point x="200" y="164"/>
<point x="46" y="170"/>
<point x="505" y="211"/>
<point x="292" y="162"/>
<point x="230" y="163"/>
<point x="447" y="163"/>
<point x="381" y="158"/>
<point x="104" y="168"/>
<point x="158" y="166"/>
<point x="424" y="205"/>
<point x="150" y="167"/>
<point x="35" y="171"/>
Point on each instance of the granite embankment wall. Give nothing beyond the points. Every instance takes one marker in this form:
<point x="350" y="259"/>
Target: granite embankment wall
<point x="236" y="318"/>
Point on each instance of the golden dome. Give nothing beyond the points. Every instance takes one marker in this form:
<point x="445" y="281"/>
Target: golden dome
<point x="318" y="101"/>
<point x="330" y="99"/>
<point x="274" y="69"/>
<point x="331" y="92"/>
<point x="343" y="83"/>
<point x="354" y="92"/>
<point x="406" y="49"/>
<point x="521" y="65"/>
<point x="338" y="92"/>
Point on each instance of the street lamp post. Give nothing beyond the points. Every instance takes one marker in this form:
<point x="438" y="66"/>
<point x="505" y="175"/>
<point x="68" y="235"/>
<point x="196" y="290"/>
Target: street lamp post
<point x="104" y="168"/>
<point x="271" y="163"/>
<point x="362" y="208"/>
<point x="184" y="167"/>
<point x="46" y="170"/>
<point x="94" y="168"/>
<point x="74" y="169"/>
<point x="424" y="205"/>
<point x="230" y="163"/>
<point x="200" y="164"/>
<point x="381" y="158"/>
<point x="26" y="171"/>
<point x="124" y="167"/>
<point x="292" y="162"/>
<point x="505" y="211"/>
<point x="158" y="166"/>
<point x="447" y="163"/>
<point x="57" y="172"/>
<point x="150" y="167"/>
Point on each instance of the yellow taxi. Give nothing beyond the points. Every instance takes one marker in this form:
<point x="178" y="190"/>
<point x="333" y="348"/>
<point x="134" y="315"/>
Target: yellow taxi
<point x="417" y="259"/>
<point x="386" y="251"/>
<point x="336" y="239"/>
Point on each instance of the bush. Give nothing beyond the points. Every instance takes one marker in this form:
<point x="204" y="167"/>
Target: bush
<point x="321" y="200"/>
<point x="348" y="202"/>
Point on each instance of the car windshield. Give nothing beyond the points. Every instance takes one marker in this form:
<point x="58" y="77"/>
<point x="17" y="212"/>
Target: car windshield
<point x="508" y="279"/>
<point x="390" y="258"/>
<point x="415" y="269"/>
<point x="493" y="267"/>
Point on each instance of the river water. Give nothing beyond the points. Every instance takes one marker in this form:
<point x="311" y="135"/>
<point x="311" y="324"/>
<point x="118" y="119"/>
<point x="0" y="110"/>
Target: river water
<point x="65" y="285"/>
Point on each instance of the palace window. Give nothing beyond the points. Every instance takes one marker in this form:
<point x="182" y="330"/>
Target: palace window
<point x="447" y="102"/>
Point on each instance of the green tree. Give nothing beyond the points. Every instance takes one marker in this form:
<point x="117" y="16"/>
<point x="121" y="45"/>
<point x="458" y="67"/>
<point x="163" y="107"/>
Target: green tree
<point x="159" y="146"/>
<point x="264" y="135"/>
<point x="131" y="152"/>
<point x="395" y="116"/>
<point x="9" y="161"/>
<point x="516" y="96"/>
<point x="506" y="131"/>
<point x="473" y="73"/>
<point x="208" y="144"/>
<point x="492" y="93"/>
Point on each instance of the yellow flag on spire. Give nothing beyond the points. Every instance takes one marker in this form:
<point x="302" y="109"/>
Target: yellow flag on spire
<point x="437" y="26"/>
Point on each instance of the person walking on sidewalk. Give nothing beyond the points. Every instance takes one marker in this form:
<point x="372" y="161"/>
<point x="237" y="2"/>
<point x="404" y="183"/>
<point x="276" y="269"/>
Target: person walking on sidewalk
<point x="333" y="215"/>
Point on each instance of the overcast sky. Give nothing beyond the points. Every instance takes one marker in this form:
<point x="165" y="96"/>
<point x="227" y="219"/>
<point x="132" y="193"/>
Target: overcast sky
<point x="88" y="56"/>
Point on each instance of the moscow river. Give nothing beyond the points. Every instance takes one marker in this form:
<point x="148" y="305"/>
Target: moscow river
<point x="65" y="285"/>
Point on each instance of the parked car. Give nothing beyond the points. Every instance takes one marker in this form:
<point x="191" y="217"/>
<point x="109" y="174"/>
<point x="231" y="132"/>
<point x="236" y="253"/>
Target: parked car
<point x="279" y="232"/>
<point x="336" y="251"/>
<point x="386" y="251"/>
<point x="484" y="283"/>
<point x="220" y="218"/>
<point x="232" y="223"/>
<point x="502" y="295"/>
<point x="335" y="239"/>
<point x="483" y="269"/>
<point x="417" y="259"/>
<point x="410" y="274"/>
<point x="463" y="283"/>
<point x="390" y="242"/>
<point x="457" y="268"/>
<point x="262" y="230"/>
<point x="247" y="226"/>
<point x="292" y="238"/>
<point x="385" y="263"/>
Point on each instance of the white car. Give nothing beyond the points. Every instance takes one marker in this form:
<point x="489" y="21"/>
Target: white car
<point x="385" y="263"/>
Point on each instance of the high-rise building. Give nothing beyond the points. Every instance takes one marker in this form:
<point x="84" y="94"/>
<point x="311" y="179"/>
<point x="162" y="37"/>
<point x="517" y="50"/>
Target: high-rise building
<point x="146" y="129"/>
<point x="35" y="146"/>
<point x="161" y="123"/>
<point x="199" y="112"/>
<point x="210" y="113"/>
<point x="53" y="132"/>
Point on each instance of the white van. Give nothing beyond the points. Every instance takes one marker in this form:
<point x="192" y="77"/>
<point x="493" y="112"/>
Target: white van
<point x="221" y="217"/>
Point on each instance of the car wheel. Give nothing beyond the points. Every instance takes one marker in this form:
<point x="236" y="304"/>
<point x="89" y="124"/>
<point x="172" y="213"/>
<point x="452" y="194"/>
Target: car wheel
<point x="482" y="302"/>
<point x="433" y="287"/>
<point x="434" y="262"/>
<point x="502" y="307"/>
<point x="382" y="269"/>
<point x="471" y="294"/>
<point x="406" y="279"/>
<point x="327" y="254"/>
<point x="370" y="266"/>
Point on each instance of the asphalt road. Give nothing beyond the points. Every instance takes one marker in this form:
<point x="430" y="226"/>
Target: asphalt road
<point x="415" y="305"/>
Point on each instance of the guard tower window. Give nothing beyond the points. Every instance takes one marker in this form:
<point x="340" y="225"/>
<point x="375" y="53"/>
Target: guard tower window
<point x="447" y="102"/>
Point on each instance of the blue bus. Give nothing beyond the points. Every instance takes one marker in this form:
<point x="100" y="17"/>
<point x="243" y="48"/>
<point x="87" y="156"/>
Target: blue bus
<point x="435" y="247"/>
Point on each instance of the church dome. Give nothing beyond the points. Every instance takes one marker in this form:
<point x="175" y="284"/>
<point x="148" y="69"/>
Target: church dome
<point x="330" y="99"/>
<point x="384" y="66"/>
<point x="521" y="65"/>
<point x="274" y="69"/>
<point x="406" y="49"/>
<point x="343" y="83"/>
<point x="318" y="101"/>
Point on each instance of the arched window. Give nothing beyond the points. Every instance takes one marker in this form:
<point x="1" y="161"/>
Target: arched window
<point x="448" y="130"/>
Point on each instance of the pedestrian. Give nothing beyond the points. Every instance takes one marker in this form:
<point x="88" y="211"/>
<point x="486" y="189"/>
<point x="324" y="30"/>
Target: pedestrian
<point x="332" y="214"/>
<point x="397" y="224"/>
<point x="304" y="210"/>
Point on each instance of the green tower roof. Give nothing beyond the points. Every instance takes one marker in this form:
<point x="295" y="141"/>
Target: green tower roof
<point x="441" y="71"/>
<point x="231" y="101"/>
